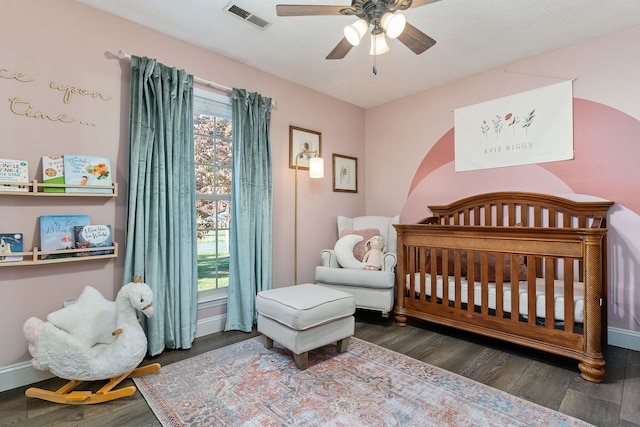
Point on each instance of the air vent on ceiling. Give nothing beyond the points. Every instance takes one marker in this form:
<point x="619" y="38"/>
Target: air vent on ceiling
<point x="245" y="15"/>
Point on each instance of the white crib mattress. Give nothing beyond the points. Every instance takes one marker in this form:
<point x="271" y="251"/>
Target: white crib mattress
<point x="578" y="298"/>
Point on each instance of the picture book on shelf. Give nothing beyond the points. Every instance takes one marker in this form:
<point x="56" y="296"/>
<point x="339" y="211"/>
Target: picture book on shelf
<point x="53" y="173"/>
<point x="14" y="171"/>
<point x="93" y="236"/>
<point x="56" y="232"/>
<point x="10" y="243"/>
<point x="86" y="171"/>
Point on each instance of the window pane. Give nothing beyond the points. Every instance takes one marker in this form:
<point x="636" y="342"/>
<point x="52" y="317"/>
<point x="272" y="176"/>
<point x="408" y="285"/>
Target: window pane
<point x="213" y="158"/>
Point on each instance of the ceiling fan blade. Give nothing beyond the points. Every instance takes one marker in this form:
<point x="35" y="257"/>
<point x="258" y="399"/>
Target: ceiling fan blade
<point x="418" y="3"/>
<point x="341" y="49"/>
<point x="306" y="10"/>
<point x="415" y="39"/>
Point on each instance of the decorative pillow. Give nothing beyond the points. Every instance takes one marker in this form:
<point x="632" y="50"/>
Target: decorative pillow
<point x="344" y="251"/>
<point x="366" y="233"/>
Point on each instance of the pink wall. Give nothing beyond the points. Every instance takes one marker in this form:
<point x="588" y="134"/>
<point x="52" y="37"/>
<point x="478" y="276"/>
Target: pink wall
<point x="606" y="135"/>
<point x="73" y="44"/>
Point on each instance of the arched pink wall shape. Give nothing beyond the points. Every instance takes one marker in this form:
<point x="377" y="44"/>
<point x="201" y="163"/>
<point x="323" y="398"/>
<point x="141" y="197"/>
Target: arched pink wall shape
<point x="607" y="150"/>
<point x="606" y="153"/>
<point x="440" y="154"/>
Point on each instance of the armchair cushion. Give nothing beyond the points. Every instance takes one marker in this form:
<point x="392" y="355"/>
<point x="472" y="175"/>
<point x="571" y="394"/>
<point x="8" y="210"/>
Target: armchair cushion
<point x="355" y="278"/>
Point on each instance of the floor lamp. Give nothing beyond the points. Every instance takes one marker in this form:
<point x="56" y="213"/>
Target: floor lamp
<point x="316" y="170"/>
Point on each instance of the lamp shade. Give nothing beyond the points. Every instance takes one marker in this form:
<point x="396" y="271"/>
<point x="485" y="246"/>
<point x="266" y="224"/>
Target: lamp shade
<point x="378" y="44"/>
<point x="355" y="31"/>
<point x="393" y="24"/>
<point x="316" y="167"/>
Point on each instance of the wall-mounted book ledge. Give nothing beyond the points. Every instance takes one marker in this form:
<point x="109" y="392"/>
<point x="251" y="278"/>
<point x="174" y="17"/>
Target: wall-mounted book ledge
<point x="37" y="257"/>
<point x="36" y="188"/>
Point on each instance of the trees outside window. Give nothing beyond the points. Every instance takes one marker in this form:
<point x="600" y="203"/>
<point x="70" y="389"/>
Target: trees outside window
<point x="212" y="127"/>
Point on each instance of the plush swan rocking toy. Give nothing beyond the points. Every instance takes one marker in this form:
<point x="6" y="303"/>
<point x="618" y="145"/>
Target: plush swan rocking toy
<point x="90" y="340"/>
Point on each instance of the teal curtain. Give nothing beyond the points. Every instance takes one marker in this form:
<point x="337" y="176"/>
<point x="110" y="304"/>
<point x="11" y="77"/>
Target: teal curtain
<point x="161" y="220"/>
<point x="250" y="253"/>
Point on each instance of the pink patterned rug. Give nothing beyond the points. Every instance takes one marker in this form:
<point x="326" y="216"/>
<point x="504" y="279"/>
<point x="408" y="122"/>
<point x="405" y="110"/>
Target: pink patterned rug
<point x="247" y="385"/>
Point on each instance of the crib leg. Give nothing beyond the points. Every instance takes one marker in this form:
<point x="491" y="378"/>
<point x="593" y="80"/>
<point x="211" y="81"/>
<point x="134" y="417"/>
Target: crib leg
<point x="401" y="319"/>
<point x="591" y="373"/>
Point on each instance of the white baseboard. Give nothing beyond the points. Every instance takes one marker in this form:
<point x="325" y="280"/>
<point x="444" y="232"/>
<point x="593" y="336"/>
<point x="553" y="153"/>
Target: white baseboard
<point x="22" y="374"/>
<point x="211" y="325"/>
<point x="624" y="338"/>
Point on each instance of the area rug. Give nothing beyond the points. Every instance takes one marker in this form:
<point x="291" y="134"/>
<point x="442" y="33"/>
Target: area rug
<point x="245" y="384"/>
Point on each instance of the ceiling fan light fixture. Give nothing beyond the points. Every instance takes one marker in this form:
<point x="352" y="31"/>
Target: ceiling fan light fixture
<point x="393" y="24"/>
<point x="378" y="44"/>
<point x="355" y="31"/>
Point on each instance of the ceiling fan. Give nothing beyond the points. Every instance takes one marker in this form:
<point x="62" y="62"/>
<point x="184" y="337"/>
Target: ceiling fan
<point x="378" y="15"/>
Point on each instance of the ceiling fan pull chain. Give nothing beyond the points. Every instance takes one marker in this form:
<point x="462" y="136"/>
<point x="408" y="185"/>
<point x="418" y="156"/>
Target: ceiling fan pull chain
<point x="375" y="67"/>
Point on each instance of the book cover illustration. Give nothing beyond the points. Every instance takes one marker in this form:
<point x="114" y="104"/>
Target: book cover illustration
<point x="87" y="170"/>
<point x="56" y="232"/>
<point x="14" y="171"/>
<point x="10" y="243"/>
<point x="93" y="236"/>
<point x="53" y="173"/>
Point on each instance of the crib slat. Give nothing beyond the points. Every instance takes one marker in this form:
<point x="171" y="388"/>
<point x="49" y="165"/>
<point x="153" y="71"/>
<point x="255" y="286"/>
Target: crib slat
<point x="524" y="215"/>
<point x="552" y="217"/>
<point x="500" y="286"/>
<point x="445" y="277"/>
<point x="549" y="293"/>
<point x="512" y="214"/>
<point x="433" y="273"/>
<point x="569" y="292"/>
<point x="412" y="268"/>
<point x="422" y="256"/>
<point x="484" y="286"/>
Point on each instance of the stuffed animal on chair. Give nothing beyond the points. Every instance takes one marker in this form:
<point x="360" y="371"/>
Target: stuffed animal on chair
<point x="373" y="257"/>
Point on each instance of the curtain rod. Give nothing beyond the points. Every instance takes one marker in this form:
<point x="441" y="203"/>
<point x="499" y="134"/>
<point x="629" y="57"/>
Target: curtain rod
<point x="124" y="55"/>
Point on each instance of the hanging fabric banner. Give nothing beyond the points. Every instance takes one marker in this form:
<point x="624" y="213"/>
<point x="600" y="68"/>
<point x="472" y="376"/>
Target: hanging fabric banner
<point x="529" y="127"/>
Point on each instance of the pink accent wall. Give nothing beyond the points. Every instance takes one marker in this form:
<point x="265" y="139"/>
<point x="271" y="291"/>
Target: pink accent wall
<point x="417" y="133"/>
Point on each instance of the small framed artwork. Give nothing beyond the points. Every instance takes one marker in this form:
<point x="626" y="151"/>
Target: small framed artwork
<point x="345" y="173"/>
<point x="303" y="145"/>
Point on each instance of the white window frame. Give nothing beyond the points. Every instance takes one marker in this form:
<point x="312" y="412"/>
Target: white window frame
<point x="219" y="106"/>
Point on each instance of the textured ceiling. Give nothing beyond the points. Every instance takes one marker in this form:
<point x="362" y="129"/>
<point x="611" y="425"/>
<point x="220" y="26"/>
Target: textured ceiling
<point x="472" y="36"/>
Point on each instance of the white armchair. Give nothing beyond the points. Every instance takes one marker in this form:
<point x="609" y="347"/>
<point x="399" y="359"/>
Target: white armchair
<point x="372" y="289"/>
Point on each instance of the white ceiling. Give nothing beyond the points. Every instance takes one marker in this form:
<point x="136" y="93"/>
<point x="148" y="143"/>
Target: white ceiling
<point x="472" y="36"/>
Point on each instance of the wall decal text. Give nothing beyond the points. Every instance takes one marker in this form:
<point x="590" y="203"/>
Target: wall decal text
<point x="23" y="108"/>
<point x="71" y="90"/>
<point x="19" y="76"/>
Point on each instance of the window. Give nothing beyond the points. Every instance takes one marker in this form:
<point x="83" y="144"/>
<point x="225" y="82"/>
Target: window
<point x="212" y="126"/>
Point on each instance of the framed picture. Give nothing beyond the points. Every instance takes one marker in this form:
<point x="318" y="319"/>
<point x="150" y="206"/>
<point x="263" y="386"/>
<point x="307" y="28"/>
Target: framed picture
<point x="303" y="144"/>
<point x="345" y="173"/>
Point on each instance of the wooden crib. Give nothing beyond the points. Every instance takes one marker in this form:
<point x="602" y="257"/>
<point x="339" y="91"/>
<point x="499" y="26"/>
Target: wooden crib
<point x="486" y="263"/>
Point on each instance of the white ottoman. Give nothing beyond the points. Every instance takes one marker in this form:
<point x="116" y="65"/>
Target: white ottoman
<point x="305" y="317"/>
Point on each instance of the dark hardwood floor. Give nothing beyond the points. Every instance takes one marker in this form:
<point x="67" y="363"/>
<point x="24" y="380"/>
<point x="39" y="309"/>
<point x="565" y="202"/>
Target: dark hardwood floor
<point x="539" y="377"/>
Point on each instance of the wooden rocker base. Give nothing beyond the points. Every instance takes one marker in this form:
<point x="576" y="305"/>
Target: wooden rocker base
<point x="67" y="395"/>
